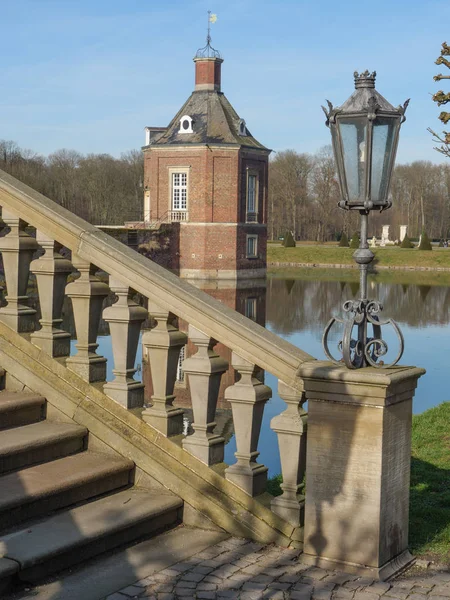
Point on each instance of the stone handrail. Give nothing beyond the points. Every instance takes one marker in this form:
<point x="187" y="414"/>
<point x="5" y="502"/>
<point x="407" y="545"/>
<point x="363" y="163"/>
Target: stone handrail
<point x="250" y="340"/>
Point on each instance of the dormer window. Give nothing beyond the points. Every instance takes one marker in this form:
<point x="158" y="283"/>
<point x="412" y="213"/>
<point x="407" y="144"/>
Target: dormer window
<point x="242" y="127"/>
<point x="186" y="124"/>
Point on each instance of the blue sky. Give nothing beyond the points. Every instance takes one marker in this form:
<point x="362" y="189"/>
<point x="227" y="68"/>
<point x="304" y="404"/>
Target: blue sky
<point x="89" y="75"/>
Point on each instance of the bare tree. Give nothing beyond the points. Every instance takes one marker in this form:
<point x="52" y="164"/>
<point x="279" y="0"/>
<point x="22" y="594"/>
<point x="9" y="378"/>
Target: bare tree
<point x="442" y="98"/>
<point x="288" y="191"/>
<point x="98" y="187"/>
<point x="325" y="191"/>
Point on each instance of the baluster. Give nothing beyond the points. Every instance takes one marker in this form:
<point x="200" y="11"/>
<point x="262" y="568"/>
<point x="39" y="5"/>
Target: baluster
<point x="17" y="248"/>
<point x="87" y="294"/>
<point x="161" y="346"/>
<point x="247" y="397"/>
<point x="204" y="371"/>
<point x="290" y="427"/>
<point x="51" y="271"/>
<point x="125" y="319"/>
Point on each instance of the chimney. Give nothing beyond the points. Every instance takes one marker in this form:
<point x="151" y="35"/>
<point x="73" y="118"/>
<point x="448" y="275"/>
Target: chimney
<point x="207" y="73"/>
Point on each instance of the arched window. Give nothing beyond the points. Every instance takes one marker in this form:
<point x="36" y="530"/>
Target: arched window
<point x="186" y="124"/>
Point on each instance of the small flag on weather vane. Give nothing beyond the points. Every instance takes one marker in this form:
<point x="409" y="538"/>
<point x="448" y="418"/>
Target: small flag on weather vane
<point x="212" y="18"/>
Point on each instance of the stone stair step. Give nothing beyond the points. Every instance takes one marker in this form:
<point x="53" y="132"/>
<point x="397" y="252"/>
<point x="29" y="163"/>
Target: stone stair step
<point x="43" y="488"/>
<point x="85" y="531"/>
<point x="104" y="575"/>
<point x="39" y="442"/>
<point x="8" y="568"/>
<point x="20" y="408"/>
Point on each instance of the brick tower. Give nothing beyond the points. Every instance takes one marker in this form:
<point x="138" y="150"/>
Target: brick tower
<point x="206" y="175"/>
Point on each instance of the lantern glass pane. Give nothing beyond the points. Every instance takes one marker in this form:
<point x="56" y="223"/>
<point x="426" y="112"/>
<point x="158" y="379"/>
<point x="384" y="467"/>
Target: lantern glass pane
<point x="353" y="136"/>
<point x="384" y="129"/>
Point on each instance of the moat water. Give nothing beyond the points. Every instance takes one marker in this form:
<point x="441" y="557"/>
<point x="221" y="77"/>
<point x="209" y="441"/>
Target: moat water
<point x="298" y="305"/>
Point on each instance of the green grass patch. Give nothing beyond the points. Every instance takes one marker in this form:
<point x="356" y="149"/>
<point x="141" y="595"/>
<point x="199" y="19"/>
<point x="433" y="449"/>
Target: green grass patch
<point x="429" y="519"/>
<point x="429" y="524"/>
<point x="387" y="257"/>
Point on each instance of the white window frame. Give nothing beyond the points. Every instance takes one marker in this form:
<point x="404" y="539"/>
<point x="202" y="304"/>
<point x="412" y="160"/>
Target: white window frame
<point x="252" y="193"/>
<point x="147" y="206"/>
<point x="255" y="246"/>
<point x="189" y="128"/>
<point x="242" y="127"/>
<point x="184" y="172"/>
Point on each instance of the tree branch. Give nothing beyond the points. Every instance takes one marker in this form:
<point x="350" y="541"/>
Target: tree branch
<point x="445" y="141"/>
<point x="441" y="98"/>
<point x="443" y="61"/>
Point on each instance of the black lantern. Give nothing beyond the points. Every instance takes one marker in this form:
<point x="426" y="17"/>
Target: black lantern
<point x="365" y="136"/>
<point x="364" y="131"/>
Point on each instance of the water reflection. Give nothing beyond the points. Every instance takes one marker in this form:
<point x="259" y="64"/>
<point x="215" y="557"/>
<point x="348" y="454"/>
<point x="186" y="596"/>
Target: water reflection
<point x="295" y="305"/>
<point x="298" y="312"/>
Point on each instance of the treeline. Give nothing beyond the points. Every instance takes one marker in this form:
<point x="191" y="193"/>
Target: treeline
<point x="304" y="192"/>
<point x="97" y="187"/>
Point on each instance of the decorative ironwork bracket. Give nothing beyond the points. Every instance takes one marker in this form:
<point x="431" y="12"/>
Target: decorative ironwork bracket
<point x="361" y="349"/>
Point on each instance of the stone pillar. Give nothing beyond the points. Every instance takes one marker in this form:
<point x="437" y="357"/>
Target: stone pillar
<point x="247" y="397"/>
<point x="51" y="271"/>
<point x="358" y="467"/>
<point x="403" y="229"/>
<point x="204" y="371"/>
<point x="385" y="235"/>
<point x="87" y="294"/>
<point x="17" y="249"/>
<point x="125" y="319"/>
<point x="161" y="346"/>
<point x="290" y="427"/>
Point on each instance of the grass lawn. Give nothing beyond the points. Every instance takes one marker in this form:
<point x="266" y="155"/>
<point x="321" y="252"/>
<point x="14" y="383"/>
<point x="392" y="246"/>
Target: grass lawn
<point x="429" y="521"/>
<point x="386" y="257"/>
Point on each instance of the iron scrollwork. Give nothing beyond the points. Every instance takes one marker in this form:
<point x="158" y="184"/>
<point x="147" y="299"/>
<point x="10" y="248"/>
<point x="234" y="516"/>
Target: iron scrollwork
<point x="362" y="350"/>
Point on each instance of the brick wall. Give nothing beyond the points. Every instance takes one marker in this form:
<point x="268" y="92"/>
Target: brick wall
<point x="217" y="194"/>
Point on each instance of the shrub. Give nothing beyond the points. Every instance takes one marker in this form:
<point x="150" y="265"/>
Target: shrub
<point x="289" y="241"/>
<point x="424" y="242"/>
<point x="406" y="243"/>
<point x="441" y="243"/>
<point x="354" y="242"/>
<point x="343" y="242"/>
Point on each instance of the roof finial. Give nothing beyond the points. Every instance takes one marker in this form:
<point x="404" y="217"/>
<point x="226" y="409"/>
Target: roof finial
<point x="208" y="51"/>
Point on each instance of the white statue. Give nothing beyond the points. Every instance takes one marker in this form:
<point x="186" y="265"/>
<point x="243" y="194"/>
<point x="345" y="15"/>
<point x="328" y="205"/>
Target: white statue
<point x="385" y="236"/>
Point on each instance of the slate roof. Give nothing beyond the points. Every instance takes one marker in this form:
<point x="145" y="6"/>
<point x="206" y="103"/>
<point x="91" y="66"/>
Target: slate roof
<point x="214" y="122"/>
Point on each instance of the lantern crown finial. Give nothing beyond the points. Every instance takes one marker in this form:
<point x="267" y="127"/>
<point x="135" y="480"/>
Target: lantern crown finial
<point x="364" y="80"/>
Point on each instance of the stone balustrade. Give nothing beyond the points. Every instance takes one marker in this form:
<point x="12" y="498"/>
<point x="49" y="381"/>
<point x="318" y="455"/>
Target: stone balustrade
<point x="163" y="299"/>
<point x="162" y="343"/>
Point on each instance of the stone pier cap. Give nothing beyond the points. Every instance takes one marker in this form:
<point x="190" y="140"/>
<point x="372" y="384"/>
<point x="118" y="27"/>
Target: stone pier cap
<point x="369" y="385"/>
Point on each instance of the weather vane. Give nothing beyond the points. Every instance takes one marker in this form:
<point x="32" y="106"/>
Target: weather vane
<point x="208" y="51"/>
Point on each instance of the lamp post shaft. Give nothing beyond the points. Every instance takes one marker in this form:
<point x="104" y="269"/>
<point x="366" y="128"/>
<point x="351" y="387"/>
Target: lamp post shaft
<point x="363" y="245"/>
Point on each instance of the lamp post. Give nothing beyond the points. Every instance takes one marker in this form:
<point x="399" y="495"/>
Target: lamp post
<point x="364" y="132"/>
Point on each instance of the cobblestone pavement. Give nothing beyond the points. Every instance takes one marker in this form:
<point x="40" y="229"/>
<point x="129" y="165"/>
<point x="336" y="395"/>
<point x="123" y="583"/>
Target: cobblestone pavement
<point x="246" y="570"/>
